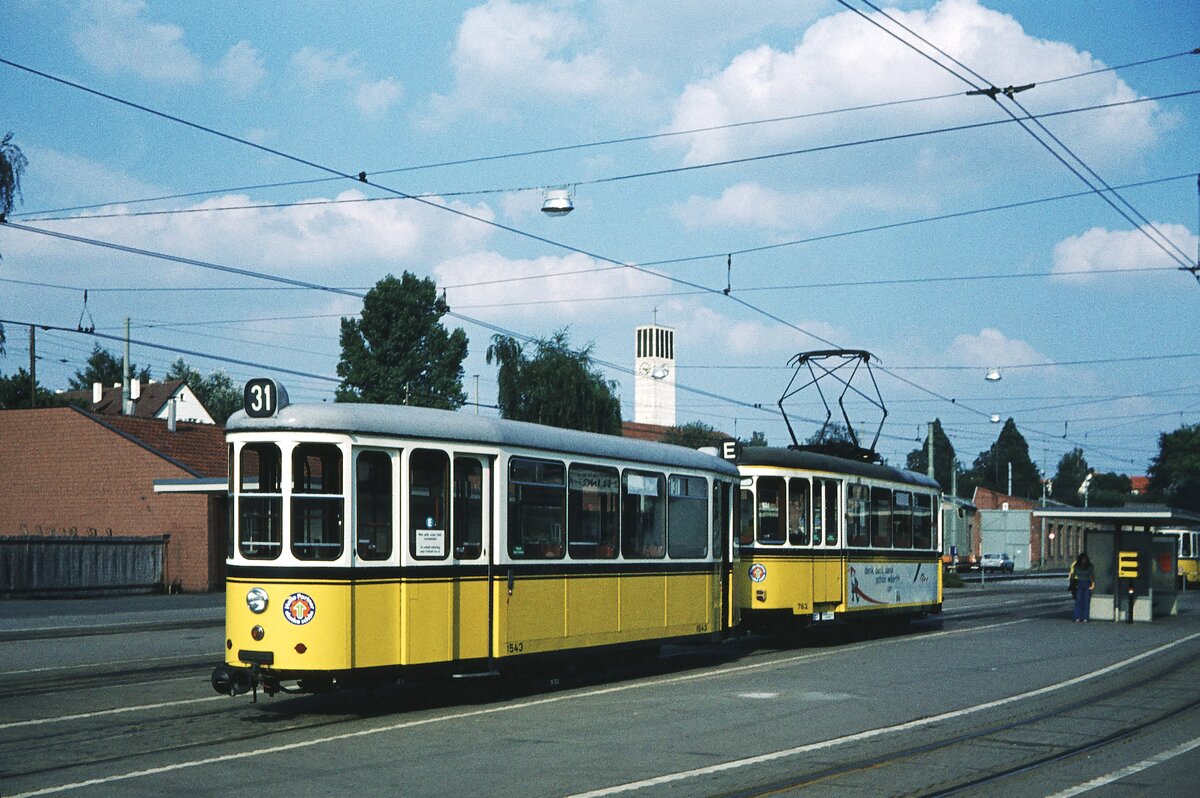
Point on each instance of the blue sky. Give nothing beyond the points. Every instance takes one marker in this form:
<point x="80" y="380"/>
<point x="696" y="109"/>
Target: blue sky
<point x="1101" y="361"/>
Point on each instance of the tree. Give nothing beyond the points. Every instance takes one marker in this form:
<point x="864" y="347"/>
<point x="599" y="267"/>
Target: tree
<point x="398" y="352"/>
<point x="756" y="439"/>
<point x="14" y="392"/>
<point x="1175" y="470"/>
<point x="990" y="469"/>
<point x="943" y="457"/>
<point x="1072" y="471"/>
<point x="694" y="435"/>
<point x="12" y="164"/>
<point x="105" y="368"/>
<point x="1109" y="489"/>
<point x="216" y="392"/>
<point x="557" y="386"/>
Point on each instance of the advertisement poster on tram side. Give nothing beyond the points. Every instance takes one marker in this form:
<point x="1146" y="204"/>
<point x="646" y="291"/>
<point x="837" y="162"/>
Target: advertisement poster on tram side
<point x="875" y="584"/>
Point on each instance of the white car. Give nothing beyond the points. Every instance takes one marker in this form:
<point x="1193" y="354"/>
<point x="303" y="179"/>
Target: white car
<point x="996" y="562"/>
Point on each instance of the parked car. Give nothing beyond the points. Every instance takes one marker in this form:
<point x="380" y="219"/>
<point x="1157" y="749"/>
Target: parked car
<point x="996" y="562"/>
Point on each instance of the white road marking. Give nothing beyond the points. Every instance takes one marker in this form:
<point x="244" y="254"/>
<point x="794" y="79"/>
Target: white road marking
<point x="526" y="705"/>
<point x="748" y="695"/>
<point x="870" y="733"/>
<point x="101" y="712"/>
<point x="1129" y="770"/>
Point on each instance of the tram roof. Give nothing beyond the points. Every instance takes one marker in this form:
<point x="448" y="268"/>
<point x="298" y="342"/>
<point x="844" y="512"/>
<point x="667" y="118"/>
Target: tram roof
<point x="428" y="423"/>
<point x="816" y="461"/>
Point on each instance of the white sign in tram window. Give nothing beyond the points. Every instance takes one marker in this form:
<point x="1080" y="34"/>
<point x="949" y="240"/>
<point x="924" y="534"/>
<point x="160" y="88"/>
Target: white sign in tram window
<point x="431" y="542"/>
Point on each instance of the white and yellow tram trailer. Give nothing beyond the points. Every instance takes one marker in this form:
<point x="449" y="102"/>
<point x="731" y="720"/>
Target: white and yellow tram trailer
<point x="1187" y="551"/>
<point x="372" y="542"/>
<point x="824" y="538"/>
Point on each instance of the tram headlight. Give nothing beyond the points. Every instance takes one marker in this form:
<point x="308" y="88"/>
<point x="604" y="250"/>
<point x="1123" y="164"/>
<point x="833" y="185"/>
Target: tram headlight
<point x="257" y="600"/>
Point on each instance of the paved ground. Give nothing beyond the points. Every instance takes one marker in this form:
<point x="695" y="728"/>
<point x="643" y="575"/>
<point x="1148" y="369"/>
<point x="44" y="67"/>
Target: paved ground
<point x="23" y="619"/>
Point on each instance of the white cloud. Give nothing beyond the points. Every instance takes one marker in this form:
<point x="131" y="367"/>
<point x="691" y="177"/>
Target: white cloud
<point x="376" y="97"/>
<point x="242" y="68"/>
<point x="992" y="348"/>
<point x="73" y="180"/>
<point x="755" y="206"/>
<point x="1099" y="250"/>
<point x="116" y="36"/>
<point x="350" y="243"/>
<point x="844" y="61"/>
<point x="508" y="50"/>
<point x="322" y="67"/>
<point x="315" y="68"/>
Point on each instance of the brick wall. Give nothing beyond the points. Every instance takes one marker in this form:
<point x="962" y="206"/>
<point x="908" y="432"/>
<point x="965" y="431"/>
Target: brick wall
<point x="62" y="473"/>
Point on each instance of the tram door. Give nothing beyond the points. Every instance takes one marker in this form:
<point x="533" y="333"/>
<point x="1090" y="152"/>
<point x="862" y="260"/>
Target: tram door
<point x="471" y="608"/>
<point x="829" y="567"/>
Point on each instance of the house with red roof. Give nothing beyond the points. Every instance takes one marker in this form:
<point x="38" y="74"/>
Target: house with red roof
<point x="152" y="400"/>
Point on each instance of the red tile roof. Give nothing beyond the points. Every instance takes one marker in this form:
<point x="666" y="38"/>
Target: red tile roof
<point x="153" y="396"/>
<point x="197" y="448"/>
<point x="644" y="432"/>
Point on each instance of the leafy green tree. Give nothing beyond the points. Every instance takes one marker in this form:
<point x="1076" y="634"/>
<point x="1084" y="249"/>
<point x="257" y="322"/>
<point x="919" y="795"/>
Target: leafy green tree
<point x="990" y="469"/>
<point x="943" y="457"/>
<point x="756" y="439"/>
<point x="12" y="164"/>
<point x="105" y="368"/>
<point x="398" y="352"/>
<point x="1175" y="471"/>
<point x="694" y="435"/>
<point x="216" y="392"/>
<point x="1072" y="470"/>
<point x="1109" y="490"/>
<point x="557" y="386"/>
<point x="14" y="392"/>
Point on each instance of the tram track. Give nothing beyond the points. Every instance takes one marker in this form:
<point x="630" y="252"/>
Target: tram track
<point x="1018" y="738"/>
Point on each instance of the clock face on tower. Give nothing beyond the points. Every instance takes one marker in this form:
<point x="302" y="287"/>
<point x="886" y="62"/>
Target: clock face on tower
<point x="644" y="368"/>
<point x="660" y="371"/>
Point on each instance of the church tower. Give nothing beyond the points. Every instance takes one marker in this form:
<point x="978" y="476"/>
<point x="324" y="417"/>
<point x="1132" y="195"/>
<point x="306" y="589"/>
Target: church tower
<point x="654" y="376"/>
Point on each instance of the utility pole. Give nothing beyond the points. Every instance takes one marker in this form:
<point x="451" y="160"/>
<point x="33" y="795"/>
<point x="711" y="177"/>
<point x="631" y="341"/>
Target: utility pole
<point x="32" y="368"/>
<point x="476" y="394"/>
<point x="930" y="449"/>
<point x="126" y="399"/>
<point x="1010" y="478"/>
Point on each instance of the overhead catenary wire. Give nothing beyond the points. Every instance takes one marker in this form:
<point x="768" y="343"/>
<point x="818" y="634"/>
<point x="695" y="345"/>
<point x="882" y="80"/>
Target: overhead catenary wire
<point x="601" y="143"/>
<point x="993" y="93"/>
<point x="435" y="205"/>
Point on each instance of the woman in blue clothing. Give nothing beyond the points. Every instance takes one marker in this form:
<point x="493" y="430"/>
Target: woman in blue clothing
<point x="1083" y="578"/>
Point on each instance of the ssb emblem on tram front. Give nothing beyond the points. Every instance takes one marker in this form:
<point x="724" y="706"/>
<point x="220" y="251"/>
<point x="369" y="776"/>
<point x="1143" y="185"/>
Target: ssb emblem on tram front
<point x="757" y="572"/>
<point x="299" y="608"/>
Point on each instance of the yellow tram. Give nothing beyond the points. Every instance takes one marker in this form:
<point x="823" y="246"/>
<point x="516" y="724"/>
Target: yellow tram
<point x="824" y="538"/>
<point x="1187" y="551"/>
<point x="370" y="542"/>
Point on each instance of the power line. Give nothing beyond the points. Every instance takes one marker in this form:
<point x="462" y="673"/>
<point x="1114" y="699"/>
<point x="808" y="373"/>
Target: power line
<point x="601" y="143"/>
<point x="993" y="92"/>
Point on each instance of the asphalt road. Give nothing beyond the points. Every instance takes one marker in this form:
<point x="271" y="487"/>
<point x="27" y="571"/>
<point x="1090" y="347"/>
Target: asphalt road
<point x="1002" y="695"/>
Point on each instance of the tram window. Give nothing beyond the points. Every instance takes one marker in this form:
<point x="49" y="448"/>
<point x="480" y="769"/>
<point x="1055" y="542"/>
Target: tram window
<point x="720" y="512"/>
<point x="1185" y="540"/>
<point x="373" y="503"/>
<point x="537" y="504"/>
<point x="317" y="501"/>
<point x="881" y="518"/>
<point x="468" y="508"/>
<point x="830" y="490"/>
<point x="260" y="501"/>
<point x="745" y="517"/>
<point x="798" y="506"/>
<point x="643" y="515"/>
<point x="922" y="522"/>
<point x="229" y="506"/>
<point x="902" y="536"/>
<point x="687" y="517"/>
<point x="770" y="500"/>
<point x="858" y="498"/>
<point x="428" y="503"/>
<point x="593" y="512"/>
